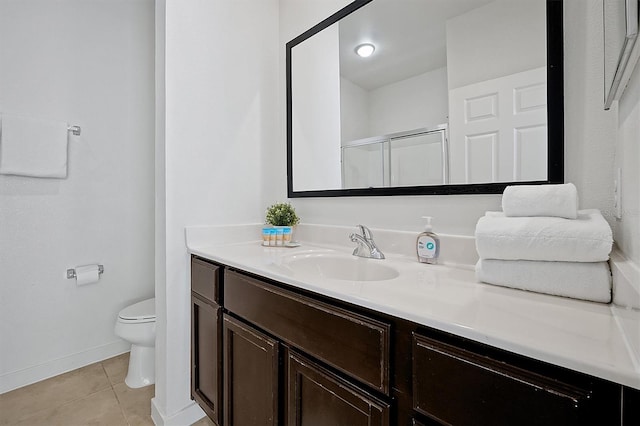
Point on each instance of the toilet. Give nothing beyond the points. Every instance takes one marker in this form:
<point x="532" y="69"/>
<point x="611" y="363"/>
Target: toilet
<point x="137" y="324"/>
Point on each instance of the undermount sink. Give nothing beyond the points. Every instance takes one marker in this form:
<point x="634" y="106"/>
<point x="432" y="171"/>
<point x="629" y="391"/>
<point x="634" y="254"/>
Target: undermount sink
<point x="348" y="268"/>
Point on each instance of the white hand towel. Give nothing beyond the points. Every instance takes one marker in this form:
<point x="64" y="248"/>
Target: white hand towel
<point x="586" y="281"/>
<point x="541" y="200"/>
<point x="585" y="239"/>
<point x="30" y="147"/>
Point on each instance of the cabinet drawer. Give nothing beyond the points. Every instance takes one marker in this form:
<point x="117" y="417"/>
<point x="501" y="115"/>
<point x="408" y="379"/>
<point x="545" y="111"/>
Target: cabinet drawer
<point x="352" y="343"/>
<point x="459" y="387"/>
<point x="205" y="279"/>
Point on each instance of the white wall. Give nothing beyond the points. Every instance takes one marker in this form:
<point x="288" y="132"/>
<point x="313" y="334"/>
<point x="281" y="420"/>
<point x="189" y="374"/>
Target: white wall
<point x="486" y="42"/>
<point x="419" y="101"/>
<point x="627" y="230"/>
<point x="589" y="130"/>
<point x="90" y="64"/>
<point x="354" y="111"/>
<point x="220" y="74"/>
<point x="316" y="123"/>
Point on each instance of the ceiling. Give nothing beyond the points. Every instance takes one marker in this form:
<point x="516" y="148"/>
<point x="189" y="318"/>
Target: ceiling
<point x="409" y="36"/>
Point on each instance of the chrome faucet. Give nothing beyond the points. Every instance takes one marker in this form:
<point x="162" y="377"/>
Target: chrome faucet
<point x="366" y="246"/>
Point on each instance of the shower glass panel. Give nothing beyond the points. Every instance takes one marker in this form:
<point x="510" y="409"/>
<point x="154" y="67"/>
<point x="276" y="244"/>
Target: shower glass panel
<point x="412" y="158"/>
<point x="417" y="160"/>
<point x="363" y="165"/>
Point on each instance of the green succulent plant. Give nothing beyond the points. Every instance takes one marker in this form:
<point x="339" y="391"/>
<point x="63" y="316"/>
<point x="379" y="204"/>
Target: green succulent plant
<point x="281" y="214"/>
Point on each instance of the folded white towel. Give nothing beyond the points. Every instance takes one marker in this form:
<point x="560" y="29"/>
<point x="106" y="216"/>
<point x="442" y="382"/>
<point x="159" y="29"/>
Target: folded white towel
<point x="541" y="200"/>
<point x="30" y="147"/>
<point x="585" y="239"/>
<point x="586" y="281"/>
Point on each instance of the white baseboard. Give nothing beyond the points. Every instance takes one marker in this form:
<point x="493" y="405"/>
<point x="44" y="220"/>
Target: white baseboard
<point x="17" y="379"/>
<point x="187" y="416"/>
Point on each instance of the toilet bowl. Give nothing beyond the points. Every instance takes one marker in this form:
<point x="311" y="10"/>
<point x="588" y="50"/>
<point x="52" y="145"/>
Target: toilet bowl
<point x="137" y="325"/>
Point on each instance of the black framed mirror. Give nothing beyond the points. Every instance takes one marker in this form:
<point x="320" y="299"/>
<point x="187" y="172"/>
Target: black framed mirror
<point x="362" y="126"/>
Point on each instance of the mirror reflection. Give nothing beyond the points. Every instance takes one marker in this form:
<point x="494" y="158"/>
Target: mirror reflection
<point x="453" y="92"/>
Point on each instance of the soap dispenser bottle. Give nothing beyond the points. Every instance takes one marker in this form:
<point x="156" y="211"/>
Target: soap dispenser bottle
<point x="428" y="244"/>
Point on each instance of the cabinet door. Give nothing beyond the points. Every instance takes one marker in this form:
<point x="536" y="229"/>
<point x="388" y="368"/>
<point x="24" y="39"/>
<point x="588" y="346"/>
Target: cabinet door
<point x="317" y="397"/>
<point x="206" y="356"/>
<point x="250" y="375"/>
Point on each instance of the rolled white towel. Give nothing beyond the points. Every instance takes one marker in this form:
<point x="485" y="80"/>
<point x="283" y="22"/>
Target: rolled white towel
<point x="585" y="281"/>
<point x="586" y="239"/>
<point x="541" y="200"/>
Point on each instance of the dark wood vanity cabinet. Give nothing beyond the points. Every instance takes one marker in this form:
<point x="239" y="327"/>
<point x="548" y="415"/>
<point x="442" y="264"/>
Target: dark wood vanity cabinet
<point x="283" y="356"/>
<point x="330" y="358"/>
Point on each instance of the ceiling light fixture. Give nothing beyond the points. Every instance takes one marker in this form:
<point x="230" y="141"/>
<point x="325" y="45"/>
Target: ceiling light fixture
<point x="365" y="50"/>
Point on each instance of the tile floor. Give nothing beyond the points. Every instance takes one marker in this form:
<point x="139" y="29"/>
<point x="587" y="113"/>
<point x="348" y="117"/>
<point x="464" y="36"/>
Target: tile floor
<point x="91" y="395"/>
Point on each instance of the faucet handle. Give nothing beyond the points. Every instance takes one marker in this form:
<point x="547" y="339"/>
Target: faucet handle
<point x="366" y="232"/>
<point x="366" y="246"/>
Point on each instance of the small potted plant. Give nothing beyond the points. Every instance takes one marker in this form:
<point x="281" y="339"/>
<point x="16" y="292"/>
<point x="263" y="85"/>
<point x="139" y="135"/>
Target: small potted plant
<point x="282" y="214"/>
<point x="283" y="217"/>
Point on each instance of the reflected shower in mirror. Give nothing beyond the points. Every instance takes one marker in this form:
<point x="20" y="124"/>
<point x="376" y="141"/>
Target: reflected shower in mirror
<point x="453" y="99"/>
<point x="415" y="157"/>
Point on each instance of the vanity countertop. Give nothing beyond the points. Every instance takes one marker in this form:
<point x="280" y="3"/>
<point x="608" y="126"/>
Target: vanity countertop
<point x="583" y="336"/>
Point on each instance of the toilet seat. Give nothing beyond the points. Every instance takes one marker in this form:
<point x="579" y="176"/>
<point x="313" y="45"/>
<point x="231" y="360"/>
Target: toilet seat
<point x="140" y="312"/>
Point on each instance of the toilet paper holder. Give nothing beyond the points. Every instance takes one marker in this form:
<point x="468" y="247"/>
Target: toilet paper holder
<point x="71" y="273"/>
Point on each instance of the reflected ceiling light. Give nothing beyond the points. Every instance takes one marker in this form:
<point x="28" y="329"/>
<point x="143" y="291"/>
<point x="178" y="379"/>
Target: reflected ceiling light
<point x="365" y="50"/>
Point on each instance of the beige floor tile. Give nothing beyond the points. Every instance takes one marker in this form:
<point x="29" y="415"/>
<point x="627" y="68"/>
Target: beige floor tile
<point x="135" y="403"/>
<point x="99" y="409"/>
<point x="49" y="394"/>
<point x="206" y="421"/>
<point x="116" y="368"/>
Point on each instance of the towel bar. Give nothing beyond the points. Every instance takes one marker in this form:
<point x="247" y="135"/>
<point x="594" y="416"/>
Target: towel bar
<point x="75" y="130"/>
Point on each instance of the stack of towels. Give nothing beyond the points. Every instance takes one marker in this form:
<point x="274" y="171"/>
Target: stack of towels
<point x="541" y="242"/>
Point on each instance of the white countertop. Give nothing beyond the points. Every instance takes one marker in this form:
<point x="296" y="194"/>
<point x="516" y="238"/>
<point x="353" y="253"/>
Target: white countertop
<point x="583" y="336"/>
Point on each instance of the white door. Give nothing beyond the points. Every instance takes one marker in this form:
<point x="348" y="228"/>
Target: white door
<point x="498" y="129"/>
